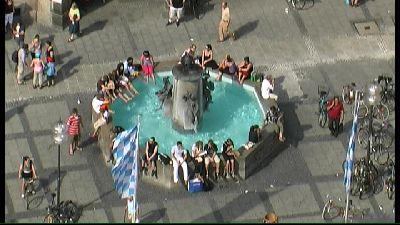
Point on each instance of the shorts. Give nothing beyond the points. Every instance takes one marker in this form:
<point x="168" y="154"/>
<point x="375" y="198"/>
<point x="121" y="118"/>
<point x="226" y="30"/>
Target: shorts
<point x="73" y="138"/>
<point x="27" y="176"/>
<point x="227" y="157"/>
<point x="148" y="70"/>
<point x="154" y="159"/>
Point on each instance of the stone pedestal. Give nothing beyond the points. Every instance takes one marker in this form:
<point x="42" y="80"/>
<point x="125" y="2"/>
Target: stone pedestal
<point x="187" y="94"/>
<point x="59" y="13"/>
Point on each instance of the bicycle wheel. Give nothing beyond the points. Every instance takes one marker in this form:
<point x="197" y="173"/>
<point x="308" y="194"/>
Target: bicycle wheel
<point x="330" y="211"/>
<point x="381" y="156"/>
<point x="298" y="4"/>
<point x="322" y="119"/>
<point x="387" y="139"/>
<point x="362" y="110"/>
<point x="380" y="112"/>
<point x="354" y="187"/>
<point x="362" y="137"/>
<point x="390" y="189"/>
<point x="49" y="218"/>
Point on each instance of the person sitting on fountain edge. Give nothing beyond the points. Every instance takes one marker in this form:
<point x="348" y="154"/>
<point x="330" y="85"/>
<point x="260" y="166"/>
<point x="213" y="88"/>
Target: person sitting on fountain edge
<point x="198" y="158"/>
<point x="229" y="157"/>
<point x="254" y="136"/>
<point x="275" y="118"/>
<point x="227" y="66"/>
<point x="149" y="158"/>
<point x="212" y="157"/>
<point x="179" y="156"/>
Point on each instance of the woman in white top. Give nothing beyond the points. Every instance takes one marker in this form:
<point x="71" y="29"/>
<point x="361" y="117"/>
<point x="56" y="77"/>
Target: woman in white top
<point x="267" y="88"/>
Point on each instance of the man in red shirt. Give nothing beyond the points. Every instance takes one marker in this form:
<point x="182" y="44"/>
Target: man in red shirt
<point x="74" y="123"/>
<point x="335" y="115"/>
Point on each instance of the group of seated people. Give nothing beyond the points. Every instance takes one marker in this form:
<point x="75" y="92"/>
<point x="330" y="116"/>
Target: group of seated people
<point x="242" y="71"/>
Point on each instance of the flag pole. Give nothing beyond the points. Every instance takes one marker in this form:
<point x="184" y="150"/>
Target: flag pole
<point x="351" y="145"/>
<point x="135" y="217"/>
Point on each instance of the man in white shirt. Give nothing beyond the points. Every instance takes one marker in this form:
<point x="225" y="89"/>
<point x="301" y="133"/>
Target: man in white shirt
<point x="179" y="156"/>
<point x="267" y="88"/>
<point x="97" y="102"/>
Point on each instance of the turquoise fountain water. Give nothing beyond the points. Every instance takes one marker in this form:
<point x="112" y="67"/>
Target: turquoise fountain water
<point x="232" y="112"/>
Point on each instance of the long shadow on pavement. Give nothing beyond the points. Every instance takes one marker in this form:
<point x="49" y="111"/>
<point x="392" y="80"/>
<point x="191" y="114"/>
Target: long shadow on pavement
<point x="246" y="28"/>
<point x="69" y="69"/>
<point x="96" y="26"/>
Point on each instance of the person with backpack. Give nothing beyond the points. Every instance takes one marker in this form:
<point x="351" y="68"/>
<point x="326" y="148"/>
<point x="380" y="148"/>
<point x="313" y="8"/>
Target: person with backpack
<point x="19" y="33"/>
<point x="19" y="57"/>
<point x="26" y="172"/>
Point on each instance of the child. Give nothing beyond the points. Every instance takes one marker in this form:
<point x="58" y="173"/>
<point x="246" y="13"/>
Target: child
<point x="50" y="72"/>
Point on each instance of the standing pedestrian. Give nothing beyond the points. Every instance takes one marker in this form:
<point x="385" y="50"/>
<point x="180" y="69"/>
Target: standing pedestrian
<point x="223" y="29"/>
<point x="74" y="124"/>
<point x="9" y="13"/>
<point x="21" y="62"/>
<point x="19" y="33"/>
<point x="147" y="62"/>
<point x="35" y="46"/>
<point x="50" y="66"/>
<point x="38" y="66"/>
<point x="74" y="17"/>
<point x="335" y="115"/>
<point x="175" y="10"/>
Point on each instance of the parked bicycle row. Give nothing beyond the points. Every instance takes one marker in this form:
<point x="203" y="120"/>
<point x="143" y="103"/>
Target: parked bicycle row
<point x="368" y="180"/>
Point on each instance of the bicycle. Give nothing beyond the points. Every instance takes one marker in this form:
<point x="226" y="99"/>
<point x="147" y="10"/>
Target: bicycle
<point x="390" y="181"/>
<point x="348" y="93"/>
<point x="322" y="110"/>
<point x="364" y="177"/>
<point x="380" y="111"/>
<point x="297" y="4"/>
<point x="382" y="141"/>
<point x="66" y="212"/>
<point x="332" y="210"/>
<point x="30" y="189"/>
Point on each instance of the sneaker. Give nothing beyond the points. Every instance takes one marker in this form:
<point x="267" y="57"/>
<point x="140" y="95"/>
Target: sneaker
<point x="177" y="23"/>
<point x="168" y="23"/>
<point x="228" y="176"/>
<point x="233" y="175"/>
<point x="22" y="196"/>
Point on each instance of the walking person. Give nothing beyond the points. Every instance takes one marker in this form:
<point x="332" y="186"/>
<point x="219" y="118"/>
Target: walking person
<point x="74" y="123"/>
<point x="335" y="115"/>
<point x="74" y="17"/>
<point x="38" y="66"/>
<point x="21" y="63"/>
<point x="175" y="10"/>
<point x="9" y="13"/>
<point x="223" y="29"/>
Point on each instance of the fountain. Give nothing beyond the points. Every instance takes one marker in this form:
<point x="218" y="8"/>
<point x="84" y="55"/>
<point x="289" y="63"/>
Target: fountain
<point x="185" y="101"/>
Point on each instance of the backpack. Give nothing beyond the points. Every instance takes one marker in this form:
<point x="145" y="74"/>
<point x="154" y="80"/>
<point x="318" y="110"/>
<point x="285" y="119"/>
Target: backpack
<point x="14" y="56"/>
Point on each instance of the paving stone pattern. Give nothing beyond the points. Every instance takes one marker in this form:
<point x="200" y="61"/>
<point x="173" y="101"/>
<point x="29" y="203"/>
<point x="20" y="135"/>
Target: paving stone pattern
<point x="302" y="49"/>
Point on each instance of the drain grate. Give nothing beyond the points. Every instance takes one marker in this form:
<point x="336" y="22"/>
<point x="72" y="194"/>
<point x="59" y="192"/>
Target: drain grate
<point x="367" y="28"/>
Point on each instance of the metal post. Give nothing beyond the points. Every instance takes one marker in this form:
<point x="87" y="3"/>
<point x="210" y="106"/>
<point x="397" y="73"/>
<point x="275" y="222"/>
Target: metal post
<point x="59" y="177"/>
<point x="370" y="130"/>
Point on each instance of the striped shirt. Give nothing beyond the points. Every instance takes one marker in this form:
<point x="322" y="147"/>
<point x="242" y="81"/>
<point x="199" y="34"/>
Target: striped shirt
<point x="73" y="125"/>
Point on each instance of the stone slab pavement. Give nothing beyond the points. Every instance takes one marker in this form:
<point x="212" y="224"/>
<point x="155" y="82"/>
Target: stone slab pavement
<point x="301" y="49"/>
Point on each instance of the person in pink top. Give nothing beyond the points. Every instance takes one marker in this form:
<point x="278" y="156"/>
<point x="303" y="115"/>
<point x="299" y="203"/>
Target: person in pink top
<point x="37" y="65"/>
<point x="147" y="62"/>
